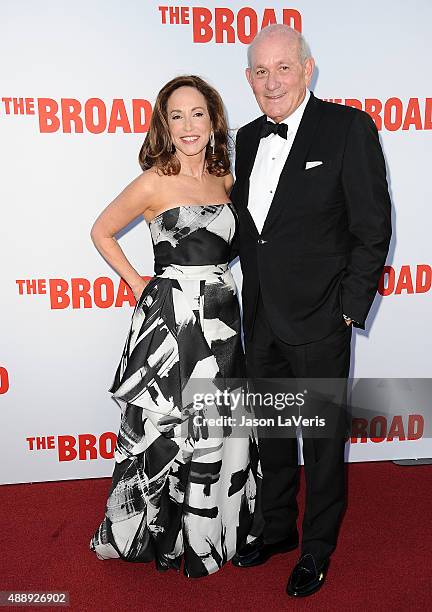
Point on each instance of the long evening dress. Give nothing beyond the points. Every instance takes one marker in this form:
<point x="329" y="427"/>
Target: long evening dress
<point x="180" y="492"/>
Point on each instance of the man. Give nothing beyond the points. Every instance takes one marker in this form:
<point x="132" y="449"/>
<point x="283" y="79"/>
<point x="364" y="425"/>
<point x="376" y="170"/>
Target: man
<point x="314" y="230"/>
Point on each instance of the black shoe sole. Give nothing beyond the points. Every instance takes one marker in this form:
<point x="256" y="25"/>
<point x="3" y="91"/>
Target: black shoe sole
<point x="305" y="593"/>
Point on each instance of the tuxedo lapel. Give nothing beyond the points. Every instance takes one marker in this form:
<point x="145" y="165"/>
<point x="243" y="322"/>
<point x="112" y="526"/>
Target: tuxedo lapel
<point x="247" y="165"/>
<point x="296" y="159"/>
<point x="251" y="155"/>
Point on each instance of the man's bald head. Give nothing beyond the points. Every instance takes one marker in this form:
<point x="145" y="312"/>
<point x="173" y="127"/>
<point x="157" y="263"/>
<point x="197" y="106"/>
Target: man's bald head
<point x="281" y="30"/>
<point x="280" y="69"/>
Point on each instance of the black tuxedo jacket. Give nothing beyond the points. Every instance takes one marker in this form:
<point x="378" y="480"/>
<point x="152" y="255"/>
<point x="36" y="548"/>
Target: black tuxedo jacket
<point x="326" y="236"/>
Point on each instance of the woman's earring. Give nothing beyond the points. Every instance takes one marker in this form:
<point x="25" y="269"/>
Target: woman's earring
<point x="212" y="141"/>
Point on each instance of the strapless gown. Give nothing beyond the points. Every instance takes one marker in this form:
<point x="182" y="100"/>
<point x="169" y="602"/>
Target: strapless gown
<point x="180" y="492"/>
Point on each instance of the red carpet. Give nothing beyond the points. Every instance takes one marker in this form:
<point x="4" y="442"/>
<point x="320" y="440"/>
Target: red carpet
<point x="383" y="559"/>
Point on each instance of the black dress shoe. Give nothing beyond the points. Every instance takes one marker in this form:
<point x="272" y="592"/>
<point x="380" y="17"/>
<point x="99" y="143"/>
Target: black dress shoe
<point x="307" y="576"/>
<point x="163" y="565"/>
<point x="257" y="552"/>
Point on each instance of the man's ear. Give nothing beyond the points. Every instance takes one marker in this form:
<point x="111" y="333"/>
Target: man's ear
<point x="248" y="75"/>
<point x="309" y="68"/>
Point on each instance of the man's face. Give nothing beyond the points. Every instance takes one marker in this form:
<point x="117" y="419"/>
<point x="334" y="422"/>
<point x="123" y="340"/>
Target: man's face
<point x="277" y="77"/>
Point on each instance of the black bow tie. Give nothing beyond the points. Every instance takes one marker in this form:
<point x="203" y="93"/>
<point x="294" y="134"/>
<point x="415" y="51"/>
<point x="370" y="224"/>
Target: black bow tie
<point x="274" y="128"/>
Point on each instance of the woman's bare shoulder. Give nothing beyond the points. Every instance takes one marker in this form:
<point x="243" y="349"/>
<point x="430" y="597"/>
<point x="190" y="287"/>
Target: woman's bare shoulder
<point x="228" y="181"/>
<point x="148" y="180"/>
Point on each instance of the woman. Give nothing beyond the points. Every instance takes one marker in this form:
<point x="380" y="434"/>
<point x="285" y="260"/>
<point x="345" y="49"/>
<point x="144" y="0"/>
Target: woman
<point x="179" y="489"/>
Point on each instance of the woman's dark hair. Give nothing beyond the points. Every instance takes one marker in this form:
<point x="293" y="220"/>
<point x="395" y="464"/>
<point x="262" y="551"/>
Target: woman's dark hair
<point x="158" y="149"/>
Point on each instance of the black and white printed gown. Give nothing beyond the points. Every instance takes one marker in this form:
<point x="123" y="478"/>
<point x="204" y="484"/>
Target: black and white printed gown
<point x="178" y="492"/>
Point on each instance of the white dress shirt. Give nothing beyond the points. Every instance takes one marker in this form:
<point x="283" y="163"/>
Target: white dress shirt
<point x="270" y="159"/>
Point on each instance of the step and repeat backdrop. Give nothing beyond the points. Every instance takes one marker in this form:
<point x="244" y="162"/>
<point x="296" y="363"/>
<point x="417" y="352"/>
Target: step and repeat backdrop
<point x="77" y="85"/>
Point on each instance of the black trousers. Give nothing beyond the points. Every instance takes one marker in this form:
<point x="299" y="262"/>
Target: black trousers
<point x="269" y="357"/>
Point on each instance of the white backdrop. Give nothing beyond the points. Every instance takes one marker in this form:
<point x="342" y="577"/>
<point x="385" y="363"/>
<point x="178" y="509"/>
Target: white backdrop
<point x="91" y="58"/>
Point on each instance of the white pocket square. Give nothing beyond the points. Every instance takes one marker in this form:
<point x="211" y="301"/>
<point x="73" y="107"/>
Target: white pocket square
<point x="312" y="164"/>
